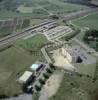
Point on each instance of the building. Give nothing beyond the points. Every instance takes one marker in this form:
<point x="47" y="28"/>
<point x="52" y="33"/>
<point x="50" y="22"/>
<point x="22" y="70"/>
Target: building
<point x="74" y="53"/>
<point x="70" y="55"/>
<point x="36" y="67"/>
<point x="25" y="77"/>
<point x="83" y="62"/>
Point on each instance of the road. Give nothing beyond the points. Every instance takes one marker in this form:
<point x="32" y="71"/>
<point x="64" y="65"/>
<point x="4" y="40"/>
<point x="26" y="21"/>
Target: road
<point x="21" y="97"/>
<point x="13" y="37"/>
<point x="78" y="14"/>
<point x="46" y="55"/>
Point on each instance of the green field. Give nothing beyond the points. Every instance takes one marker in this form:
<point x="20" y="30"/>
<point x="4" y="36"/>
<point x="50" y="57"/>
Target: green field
<point x="23" y="9"/>
<point x="56" y="6"/>
<point x="33" y="42"/>
<point x="90" y="21"/>
<point x="17" y="59"/>
<point x="13" y="62"/>
<point x="6" y="30"/>
<point x="75" y="87"/>
<point x="38" y="9"/>
<point x="5" y="14"/>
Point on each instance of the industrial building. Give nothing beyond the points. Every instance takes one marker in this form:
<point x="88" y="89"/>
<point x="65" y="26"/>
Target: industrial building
<point x="25" y="77"/>
<point x="74" y="58"/>
<point x="75" y="54"/>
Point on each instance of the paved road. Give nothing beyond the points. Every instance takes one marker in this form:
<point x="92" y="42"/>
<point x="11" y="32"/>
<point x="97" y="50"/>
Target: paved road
<point x="21" y="97"/>
<point x="12" y="38"/>
<point x="46" y="55"/>
<point x="78" y="14"/>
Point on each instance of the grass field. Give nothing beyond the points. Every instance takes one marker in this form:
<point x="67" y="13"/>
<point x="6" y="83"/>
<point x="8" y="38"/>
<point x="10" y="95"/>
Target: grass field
<point x="90" y="21"/>
<point x="33" y="42"/>
<point x="5" y="14"/>
<point x="54" y="6"/>
<point x="23" y="9"/>
<point x="4" y="31"/>
<point x="74" y="87"/>
<point x="15" y="60"/>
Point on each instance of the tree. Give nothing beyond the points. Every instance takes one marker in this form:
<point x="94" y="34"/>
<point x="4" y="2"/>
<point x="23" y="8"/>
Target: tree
<point x="42" y="81"/>
<point x="54" y="17"/>
<point x="38" y="88"/>
<point x="49" y="70"/>
<point x="52" y="66"/>
<point x="46" y="76"/>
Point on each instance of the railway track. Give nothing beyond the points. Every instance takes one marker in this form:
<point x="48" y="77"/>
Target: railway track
<point x="12" y="38"/>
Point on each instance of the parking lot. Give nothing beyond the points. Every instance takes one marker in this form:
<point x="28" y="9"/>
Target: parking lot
<point x="57" y="32"/>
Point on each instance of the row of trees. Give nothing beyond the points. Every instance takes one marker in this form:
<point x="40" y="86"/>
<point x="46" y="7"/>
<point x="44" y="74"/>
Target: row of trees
<point x="91" y="36"/>
<point x="46" y="75"/>
<point x="91" y="33"/>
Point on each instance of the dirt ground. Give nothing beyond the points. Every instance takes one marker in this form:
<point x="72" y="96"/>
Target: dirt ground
<point x="51" y="86"/>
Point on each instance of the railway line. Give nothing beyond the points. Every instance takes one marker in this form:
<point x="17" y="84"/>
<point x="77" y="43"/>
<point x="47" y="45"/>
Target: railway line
<point x="13" y="37"/>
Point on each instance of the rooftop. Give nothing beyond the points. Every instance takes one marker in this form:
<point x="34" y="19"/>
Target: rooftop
<point x="25" y="76"/>
<point x="35" y="66"/>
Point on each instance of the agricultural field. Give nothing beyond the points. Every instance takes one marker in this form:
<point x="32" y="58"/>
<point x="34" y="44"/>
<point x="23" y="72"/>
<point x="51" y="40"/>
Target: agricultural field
<point x="36" y="7"/>
<point x="90" y="21"/>
<point x="32" y="10"/>
<point x="5" y="31"/>
<point x="4" y="15"/>
<point x="15" y="60"/>
<point x="23" y="9"/>
<point x="57" y="7"/>
<point x="75" y="87"/>
<point x="12" y="26"/>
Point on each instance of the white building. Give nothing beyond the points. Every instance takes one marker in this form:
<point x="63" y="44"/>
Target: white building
<point x="25" y="77"/>
<point x="70" y="55"/>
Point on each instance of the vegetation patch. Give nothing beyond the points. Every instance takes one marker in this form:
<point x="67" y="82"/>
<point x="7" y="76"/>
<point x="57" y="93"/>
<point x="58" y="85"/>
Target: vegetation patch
<point x="13" y="62"/>
<point x="24" y="9"/>
<point x="90" y="21"/>
<point x="35" y="42"/>
<point x="91" y="38"/>
<point x="76" y="87"/>
<point x="6" y="30"/>
<point x="75" y="32"/>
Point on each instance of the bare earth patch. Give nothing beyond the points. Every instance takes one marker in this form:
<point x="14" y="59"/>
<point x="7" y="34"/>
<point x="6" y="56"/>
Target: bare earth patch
<point x="51" y="86"/>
